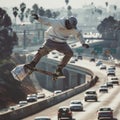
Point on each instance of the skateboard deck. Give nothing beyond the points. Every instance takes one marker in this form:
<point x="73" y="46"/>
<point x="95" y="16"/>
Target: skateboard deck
<point x="19" y="73"/>
<point x="54" y="77"/>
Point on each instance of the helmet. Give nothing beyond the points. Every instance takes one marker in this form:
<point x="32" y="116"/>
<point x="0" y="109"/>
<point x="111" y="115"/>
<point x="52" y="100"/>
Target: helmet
<point x="73" y="21"/>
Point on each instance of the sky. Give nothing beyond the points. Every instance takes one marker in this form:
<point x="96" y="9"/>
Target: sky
<point x="56" y="3"/>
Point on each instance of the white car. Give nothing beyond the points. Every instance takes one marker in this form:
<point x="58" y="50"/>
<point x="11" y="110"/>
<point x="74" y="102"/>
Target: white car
<point x="40" y="95"/>
<point x="90" y="95"/>
<point x="22" y="103"/>
<point x="102" y="66"/>
<point x="42" y="118"/>
<point x="57" y="91"/>
<point x="76" y="105"/>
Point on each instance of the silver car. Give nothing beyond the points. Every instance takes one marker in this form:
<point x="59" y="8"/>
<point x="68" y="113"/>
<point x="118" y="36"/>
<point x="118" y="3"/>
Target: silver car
<point x="42" y="118"/>
<point x="76" y="105"/>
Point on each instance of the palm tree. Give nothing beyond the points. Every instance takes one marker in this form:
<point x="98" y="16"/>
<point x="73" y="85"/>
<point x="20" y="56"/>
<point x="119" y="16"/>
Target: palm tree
<point x="106" y="3"/>
<point x="69" y="10"/>
<point x="22" y="8"/>
<point x="66" y="1"/>
<point x="27" y="13"/>
<point x="15" y="12"/>
<point x="115" y="8"/>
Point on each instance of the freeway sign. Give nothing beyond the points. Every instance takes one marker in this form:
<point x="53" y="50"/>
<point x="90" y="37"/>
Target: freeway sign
<point x="79" y="50"/>
<point x="98" y="49"/>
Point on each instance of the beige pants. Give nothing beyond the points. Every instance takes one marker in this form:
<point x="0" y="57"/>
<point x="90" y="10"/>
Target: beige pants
<point x="52" y="45"/>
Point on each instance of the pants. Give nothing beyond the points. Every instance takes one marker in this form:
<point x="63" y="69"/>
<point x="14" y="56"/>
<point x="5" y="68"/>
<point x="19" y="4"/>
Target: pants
<point x="51" y="45"/>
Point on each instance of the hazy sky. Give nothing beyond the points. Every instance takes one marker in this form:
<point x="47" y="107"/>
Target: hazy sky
<point x="56" y="3"/>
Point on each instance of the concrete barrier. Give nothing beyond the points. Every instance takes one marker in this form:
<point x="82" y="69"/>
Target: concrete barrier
<point x="38" y="106"/>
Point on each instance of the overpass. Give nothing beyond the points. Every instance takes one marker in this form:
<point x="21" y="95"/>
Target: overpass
<point x="75" y="75"/>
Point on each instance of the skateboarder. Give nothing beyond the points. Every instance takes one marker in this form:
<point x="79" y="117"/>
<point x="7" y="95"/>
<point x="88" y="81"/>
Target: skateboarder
<point x="55" y="39"/>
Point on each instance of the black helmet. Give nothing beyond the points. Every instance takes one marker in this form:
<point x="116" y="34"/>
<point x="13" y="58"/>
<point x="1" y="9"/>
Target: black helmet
<point x="73" y="21"/>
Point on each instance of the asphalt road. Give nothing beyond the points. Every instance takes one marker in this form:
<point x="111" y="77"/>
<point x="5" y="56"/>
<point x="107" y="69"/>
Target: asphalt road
<point x="110" y="99"/>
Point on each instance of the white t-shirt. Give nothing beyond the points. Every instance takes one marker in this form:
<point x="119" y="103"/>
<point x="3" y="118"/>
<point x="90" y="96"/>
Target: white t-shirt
<point x="57" y="30"/>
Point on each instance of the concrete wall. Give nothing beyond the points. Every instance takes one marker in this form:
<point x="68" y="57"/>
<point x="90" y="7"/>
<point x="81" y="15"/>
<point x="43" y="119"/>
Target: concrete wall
<point x="52" y="100"/>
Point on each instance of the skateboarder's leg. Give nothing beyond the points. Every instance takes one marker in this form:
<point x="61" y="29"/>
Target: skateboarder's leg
<point x="41" y="52"/>
<point x="68" y="53"/>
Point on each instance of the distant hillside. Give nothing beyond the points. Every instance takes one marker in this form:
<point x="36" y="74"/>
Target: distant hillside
<point x="11" y="90"/>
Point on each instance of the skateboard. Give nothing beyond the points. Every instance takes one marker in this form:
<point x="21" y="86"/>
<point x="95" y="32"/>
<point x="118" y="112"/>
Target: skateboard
<point x="20" y="72"/>
<point x="54" y="76"/>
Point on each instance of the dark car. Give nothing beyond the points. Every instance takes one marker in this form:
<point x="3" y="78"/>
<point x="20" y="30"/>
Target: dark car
<point x="109" y="84"/>
<point x="64" y="112"/>
<point x="115" y="80"/>
<point x="111" y="73"/>
<point x="105" y="113"/>
<point x="92" y="60"/>
<point x="103" y="88"/>
<point x="80" y="57"/>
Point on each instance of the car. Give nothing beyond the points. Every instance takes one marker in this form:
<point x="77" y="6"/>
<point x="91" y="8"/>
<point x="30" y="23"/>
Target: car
<point x="57" y="92"/>
<point x="42" y="118"/>
<point x="80" y="57"/>
<point x="112" y="67"/>
<point x="104" y="113"/>
<point x="31" y="98"/>
<point x="90" y="95"/>
<point x="111" y="73"/>
<point x="92" y="60"/>
<point x="115" y="80"/>
<point x="13" y="107"/>
<point x="109" y="84"/>
<point x="64" y="112"/>
<point x="98" y="63"/>
<point x="22" y="103"/>
<point x="103" y="88"/>
<point x="102" y="66"/>
<point x="76" y="105"/>
<point x="40" y="95"/>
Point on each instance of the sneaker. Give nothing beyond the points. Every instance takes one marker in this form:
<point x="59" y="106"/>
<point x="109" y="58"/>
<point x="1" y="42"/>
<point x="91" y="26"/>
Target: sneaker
<point x="59" y="73"/>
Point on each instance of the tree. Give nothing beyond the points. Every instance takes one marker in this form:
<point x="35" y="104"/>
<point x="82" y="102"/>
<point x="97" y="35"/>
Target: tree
<point x="69" y="10"/>
<point x="66" y="1"/>
<point x="41" y="11"/>
<point x="15" y="12"/>
<point x="8" y="38"/>
<point x="35" y="8"/>
<point x="22" y="8"/>
<point x="108" y="27"/>
<point x="48" y="13"/>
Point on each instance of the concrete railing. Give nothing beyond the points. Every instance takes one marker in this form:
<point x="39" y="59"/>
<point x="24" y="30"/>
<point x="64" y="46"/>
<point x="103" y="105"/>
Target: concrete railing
<point x="52" y="100"/>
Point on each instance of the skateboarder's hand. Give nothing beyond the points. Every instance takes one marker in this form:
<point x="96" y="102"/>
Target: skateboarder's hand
<point x="35" y="16"/>
<point x="85" y="45"/>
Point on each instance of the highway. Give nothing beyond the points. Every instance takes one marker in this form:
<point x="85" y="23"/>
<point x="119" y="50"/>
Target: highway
<point x="110" y="99"/>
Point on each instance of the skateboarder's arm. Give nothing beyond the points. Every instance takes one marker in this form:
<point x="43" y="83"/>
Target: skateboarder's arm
<point x="45" y="20"/>
<point x="80" y="38"/>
